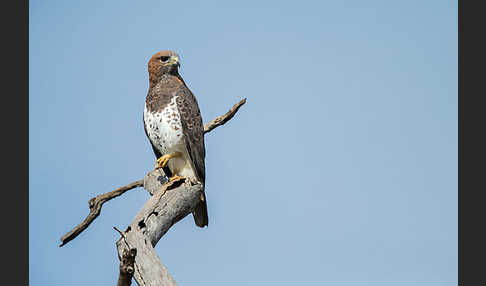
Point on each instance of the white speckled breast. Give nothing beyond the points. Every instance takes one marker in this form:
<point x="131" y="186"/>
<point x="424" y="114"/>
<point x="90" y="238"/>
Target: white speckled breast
<point x="164" y="128"/>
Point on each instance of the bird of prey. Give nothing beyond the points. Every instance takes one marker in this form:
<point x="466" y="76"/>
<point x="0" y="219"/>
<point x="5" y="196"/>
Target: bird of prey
<point x="173" y="125"/>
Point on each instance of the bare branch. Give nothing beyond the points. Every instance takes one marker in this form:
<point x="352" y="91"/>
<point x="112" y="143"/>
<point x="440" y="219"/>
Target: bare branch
<point x="95" y="205"/>
<point x="220" y="120"/>
<point x="119" y="231"/>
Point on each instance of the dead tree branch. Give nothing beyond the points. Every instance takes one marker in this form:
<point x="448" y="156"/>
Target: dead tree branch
<point x="170" y="202"/>
<point x="95" y="205"/>
<point x="220" y="120"/>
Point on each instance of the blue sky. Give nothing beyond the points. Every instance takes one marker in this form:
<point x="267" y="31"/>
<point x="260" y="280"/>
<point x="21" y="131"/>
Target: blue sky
<point x="341" y="169"/>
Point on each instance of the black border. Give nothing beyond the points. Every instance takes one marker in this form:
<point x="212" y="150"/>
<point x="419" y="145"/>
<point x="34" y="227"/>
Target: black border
<point x="471" y="159"/>
<point x="14" y="22"/>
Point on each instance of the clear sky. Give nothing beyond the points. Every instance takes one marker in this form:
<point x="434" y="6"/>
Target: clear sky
<point x="341" y="169"/>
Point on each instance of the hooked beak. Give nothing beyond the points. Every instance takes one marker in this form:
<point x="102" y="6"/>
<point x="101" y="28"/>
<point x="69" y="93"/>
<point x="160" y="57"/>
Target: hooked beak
<point x="175" y="61"/>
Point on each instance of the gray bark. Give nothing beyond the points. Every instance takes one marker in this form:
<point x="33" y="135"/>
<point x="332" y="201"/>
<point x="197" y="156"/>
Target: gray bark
<point x="170" y="203"/>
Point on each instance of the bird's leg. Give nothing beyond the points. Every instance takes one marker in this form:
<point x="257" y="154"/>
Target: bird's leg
<point x="164" y="160"/>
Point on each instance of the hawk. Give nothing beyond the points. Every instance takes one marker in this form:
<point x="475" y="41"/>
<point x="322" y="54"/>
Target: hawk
<point x="173" y="125"/>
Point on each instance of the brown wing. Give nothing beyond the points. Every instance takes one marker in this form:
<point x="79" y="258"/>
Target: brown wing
<point x="193" y="130"/>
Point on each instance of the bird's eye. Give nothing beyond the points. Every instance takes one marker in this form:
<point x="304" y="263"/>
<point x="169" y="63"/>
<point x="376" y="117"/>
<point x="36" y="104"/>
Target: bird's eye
<point x="164" y="59"/>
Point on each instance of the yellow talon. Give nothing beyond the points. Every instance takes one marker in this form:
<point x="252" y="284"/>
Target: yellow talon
<point x="164" y="160"/>
<point x="175" y="178"/>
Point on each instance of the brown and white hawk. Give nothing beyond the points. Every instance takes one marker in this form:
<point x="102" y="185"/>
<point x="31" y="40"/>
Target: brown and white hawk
<point x="173" y="125"/>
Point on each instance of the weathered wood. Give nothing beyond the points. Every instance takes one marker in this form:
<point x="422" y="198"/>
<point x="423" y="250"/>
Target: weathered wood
<point x="127" y="267"/>
<point x="95" y="205"/>
<point x="170" y="203"/>
<point x="154" y="180"/>
<point x="220" y="120"/>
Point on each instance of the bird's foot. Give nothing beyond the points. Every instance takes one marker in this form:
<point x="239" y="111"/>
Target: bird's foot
<point x="164" y="160"/>
<point x="175" y="178"/>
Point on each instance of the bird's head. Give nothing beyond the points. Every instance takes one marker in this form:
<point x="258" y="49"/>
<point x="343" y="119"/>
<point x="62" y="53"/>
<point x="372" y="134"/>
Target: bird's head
<point x="163" y="62"/>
